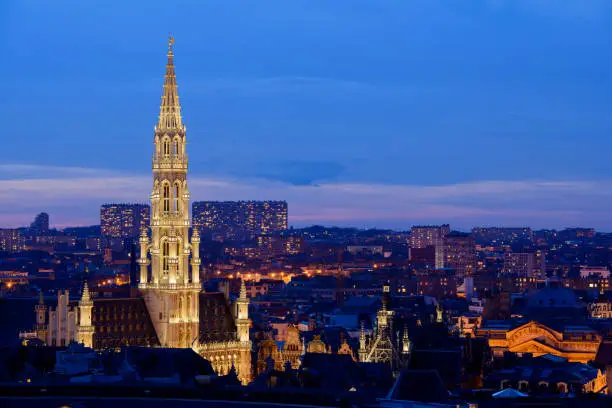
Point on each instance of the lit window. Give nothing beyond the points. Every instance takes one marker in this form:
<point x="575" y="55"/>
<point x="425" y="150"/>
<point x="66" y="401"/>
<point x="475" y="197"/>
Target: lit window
<point x="165" y="254"/>
<point x="166" y="198"/>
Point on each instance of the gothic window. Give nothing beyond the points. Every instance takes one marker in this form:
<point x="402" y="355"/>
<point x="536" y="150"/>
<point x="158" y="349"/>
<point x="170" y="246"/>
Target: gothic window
<point x="166" y="147"/>
<point x="176" y="197"/>
<point x="166" y="198"/>
<point x="177" y="147"/>
<point x="165" y="255"/>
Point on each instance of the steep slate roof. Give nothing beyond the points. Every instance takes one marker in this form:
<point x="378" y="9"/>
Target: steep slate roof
<point x="216" y="318"/>
<point x="120" y="322"/>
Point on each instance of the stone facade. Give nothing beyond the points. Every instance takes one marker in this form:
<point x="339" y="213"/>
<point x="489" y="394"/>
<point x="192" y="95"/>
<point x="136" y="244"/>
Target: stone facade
<point x="575" y="343"/>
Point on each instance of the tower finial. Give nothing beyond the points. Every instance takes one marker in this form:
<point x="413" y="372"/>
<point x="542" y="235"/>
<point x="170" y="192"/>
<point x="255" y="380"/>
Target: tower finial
<point x="170" y="110"/>
<point x="85" y="296"/>
<point x="243" y="292"/>
<point x="170" y="43"/>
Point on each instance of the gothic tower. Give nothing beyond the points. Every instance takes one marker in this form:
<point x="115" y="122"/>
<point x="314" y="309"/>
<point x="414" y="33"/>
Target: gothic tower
<point x="85" y="329"/>
<point x="41" y="318"/>
<point x="171" y="289"/>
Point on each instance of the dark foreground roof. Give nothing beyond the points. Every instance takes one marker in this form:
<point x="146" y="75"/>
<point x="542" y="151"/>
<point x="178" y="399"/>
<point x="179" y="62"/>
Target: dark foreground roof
<point x="153" y="396"/>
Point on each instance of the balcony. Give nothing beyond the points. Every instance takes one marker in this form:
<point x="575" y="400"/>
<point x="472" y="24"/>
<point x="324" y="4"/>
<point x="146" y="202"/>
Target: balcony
<point x="167" y="162"/>
<point x="170" y="286"/>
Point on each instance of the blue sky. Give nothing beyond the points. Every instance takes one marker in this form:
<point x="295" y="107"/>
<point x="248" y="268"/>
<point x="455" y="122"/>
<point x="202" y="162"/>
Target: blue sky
<point x="368" y="113"/>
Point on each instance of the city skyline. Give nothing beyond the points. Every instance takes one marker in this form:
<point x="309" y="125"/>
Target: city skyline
<point x="443" y="131"/>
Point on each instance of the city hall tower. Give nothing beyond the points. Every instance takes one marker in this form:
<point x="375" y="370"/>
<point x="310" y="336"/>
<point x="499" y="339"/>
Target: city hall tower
<point x="169" y="261"/>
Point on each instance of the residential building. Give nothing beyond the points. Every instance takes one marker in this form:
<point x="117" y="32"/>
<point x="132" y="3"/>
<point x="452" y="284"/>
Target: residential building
<point x="238" y="219"/>
<point x="460" y="253"/>
<point x="124" y="220"/>
<point x="11" y="240"/>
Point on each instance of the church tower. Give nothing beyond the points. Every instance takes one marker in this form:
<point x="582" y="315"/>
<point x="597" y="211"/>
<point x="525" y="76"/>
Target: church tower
<point x="171" y="290"/>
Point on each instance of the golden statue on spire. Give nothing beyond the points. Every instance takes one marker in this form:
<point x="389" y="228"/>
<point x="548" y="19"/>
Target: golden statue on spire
<point x="170" y="42"/>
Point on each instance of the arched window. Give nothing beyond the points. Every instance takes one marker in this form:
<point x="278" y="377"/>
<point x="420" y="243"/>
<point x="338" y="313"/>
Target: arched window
<point x="562" y="387"/>
<point x="166" y="198"/>
<point x="165" y="255"/>
<point x="177" y="146"/>
<point x="166" y="147"/>
<point x="177" y="191"/>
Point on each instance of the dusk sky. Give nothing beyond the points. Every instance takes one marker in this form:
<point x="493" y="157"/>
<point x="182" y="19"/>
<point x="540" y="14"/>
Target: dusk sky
<point x="382" y="113"/>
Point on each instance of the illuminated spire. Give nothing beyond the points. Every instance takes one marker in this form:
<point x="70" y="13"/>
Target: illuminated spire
<point x="439" y="313"/>
<point x="170" y="109"/>
<point x="406" y="344"/>
<point x="243" y="292"/>
<point x="362" y="337"/>
<point x="41" y="302"/>
<point x="85" y="298"/>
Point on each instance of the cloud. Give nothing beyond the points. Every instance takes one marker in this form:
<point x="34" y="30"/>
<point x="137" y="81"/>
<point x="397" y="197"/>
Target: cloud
<point x="73" y="195"/>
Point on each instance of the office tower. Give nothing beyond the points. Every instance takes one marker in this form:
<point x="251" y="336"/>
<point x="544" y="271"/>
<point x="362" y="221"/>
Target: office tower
<point x="460" y="253"/>
<point x="11" y="240"/>
<point x="235" y="219"/>
<point x="123" y="220"/>
<point x="40" y="226"/>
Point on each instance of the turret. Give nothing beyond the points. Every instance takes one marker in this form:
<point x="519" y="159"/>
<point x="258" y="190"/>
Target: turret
<point x="363" y="352"/>
<point x="85" y="329"/>
<point x="406" y="343"/>
<point x="195" y="256"/>
<point x="439" y="314"/>
<point x="41" y="311"/>
<point x="242" y="314"/>
<point x="143" y="261"/>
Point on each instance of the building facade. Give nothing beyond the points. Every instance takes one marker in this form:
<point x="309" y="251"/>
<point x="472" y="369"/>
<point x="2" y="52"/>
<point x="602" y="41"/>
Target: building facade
<point x="460" y="253"/>
<point x="381" y="346"/>
<point x="11" y="240"/>
<point x="239" y="219"/>
<point x="574" y="343"/>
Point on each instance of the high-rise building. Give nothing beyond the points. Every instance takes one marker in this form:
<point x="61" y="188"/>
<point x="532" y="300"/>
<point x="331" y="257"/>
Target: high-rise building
<point x="235" y="219"/>
<point x="423" y="236"/>
<point x="40" y="226"/>
<point x="11" y="240"/>
<point x="526" y="264"/>
<point x="519" y="263"/>
<point x="123" y="220"/>
<point x="460" y="253"/>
